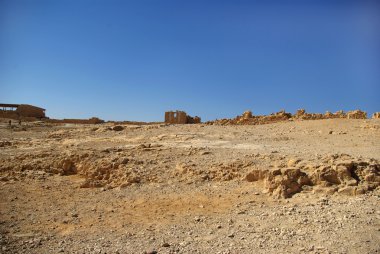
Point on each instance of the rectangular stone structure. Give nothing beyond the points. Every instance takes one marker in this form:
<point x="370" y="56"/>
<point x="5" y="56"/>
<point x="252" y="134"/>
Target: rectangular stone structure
<point x="180" y="117"/>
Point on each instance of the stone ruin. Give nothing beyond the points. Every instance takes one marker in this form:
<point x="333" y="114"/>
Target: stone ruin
<point x="247" y="118"/>
<point x="180" y="117"/>
<point x="21" y="111"/>
<point x="247" y="114"/>
<point x="301" y="114"/>
<point x="356" y="114"/>
<point x="92" y="120"/>
<point x="27" y="112"/>
<point x="376" y="115"/>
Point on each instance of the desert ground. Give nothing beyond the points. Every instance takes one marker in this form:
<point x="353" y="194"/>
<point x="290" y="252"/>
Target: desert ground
<point x="289" y="187"/>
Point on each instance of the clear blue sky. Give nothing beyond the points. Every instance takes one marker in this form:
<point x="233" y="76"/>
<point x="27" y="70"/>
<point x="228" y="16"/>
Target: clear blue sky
<point x="133" y="60"/>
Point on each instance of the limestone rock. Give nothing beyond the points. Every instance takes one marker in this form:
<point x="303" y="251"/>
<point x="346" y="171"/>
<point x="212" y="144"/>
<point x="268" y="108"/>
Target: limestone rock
<point x="247" y="114"/>
<point x="356" y="114"/>
<point x="376" y="115"/>
<point x="67" y="167"/>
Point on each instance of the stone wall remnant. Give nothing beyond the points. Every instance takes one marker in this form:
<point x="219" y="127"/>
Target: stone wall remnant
<point x="30" y="111"/>
<point x="92" y="120"/>
<point x="356" y="114"/>
<point x="180" y="117"/>
<point x="19" y="111"/>
<point x="247" y="114"/>
<point x="248" y="119"/>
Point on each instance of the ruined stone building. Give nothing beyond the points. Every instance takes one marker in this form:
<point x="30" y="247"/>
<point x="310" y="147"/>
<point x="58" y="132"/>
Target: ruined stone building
<point x="17" y="111"/>
<point x="180" y="117"/>
<point x="356" y="114"/>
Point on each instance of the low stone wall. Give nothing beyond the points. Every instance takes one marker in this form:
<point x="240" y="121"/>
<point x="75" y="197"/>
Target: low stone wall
<point x="248" y="119"/>
<point x="9" y="114"/>
<point x="30" y="111"/>
<point x="13" y="115"/>
<point x="93" y="120"/>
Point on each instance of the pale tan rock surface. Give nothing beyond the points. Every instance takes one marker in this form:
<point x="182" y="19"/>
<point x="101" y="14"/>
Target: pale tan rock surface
<point x="285" y="187"/>
<point x="376" y="115"/>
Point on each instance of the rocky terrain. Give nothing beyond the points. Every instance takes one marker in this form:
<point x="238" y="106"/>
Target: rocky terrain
<point x="299" y="186"/>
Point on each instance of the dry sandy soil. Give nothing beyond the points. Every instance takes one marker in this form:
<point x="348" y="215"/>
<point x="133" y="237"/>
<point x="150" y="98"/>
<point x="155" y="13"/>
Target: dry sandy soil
<point x="290" y="187"/>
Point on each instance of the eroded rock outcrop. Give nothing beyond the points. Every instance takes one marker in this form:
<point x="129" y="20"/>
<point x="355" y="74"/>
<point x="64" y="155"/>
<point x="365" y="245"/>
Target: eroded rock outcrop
<point x="347" y="177"/>
<point x="278" y="175"/>
<point x="281" y="183"/>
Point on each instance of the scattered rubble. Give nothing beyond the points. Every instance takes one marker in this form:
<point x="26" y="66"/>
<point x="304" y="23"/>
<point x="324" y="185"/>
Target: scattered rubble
<point x="291" y="186"/>
<point x="248" y="119"/>
<point x="348" y="176"/>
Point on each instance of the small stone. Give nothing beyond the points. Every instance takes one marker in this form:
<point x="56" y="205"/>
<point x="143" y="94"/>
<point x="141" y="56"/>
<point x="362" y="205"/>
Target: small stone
<point x="165" y="245"/>
<point x="124" y="161"/>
